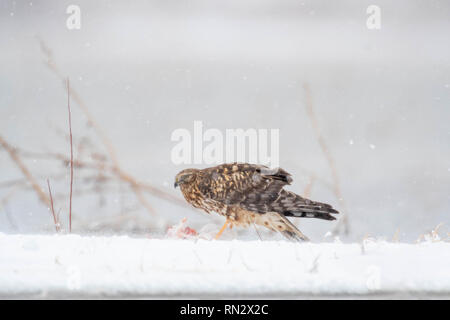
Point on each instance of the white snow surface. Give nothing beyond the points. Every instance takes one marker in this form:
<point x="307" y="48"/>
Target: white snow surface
<point x="61" y="266"/>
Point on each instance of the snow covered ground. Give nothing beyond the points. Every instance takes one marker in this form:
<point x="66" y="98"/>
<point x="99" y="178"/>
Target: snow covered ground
<point x="64" y="266"/>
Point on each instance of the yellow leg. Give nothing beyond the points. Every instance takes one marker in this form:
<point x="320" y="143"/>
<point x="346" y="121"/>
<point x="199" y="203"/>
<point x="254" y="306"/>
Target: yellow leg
<point x="221" y="230"/>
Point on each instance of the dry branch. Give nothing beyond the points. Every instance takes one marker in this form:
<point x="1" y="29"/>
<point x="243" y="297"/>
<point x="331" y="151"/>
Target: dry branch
<point x="55" y="217"/>
<point x="71" y="156"/>
<point x="343" y="221"/>
<point x="136" y="187"/>
<point x="25" y="171"/>
<point x="309" y="186"/>
<point x="95" y="166"/>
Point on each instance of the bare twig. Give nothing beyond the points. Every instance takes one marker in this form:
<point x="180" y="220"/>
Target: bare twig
<point x="96" y="166"/>
<point x="25" y="171"/>
<point x="136" y="186"/>
<point x="343" y="222"/>
<point x="76" y="97"/>
<point x="308" y="188"/>
<point x="107" y="165"/>
<point x="71" y="155"/>
<point x="9" y="217"/>
<point x="55" y="217"/>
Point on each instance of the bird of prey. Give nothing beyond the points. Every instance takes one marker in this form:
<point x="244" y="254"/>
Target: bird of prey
<point x="250" y="194"/>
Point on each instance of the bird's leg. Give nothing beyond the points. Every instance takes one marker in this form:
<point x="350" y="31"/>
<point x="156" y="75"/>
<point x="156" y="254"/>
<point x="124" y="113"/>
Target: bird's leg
<point x="221" y="230"/>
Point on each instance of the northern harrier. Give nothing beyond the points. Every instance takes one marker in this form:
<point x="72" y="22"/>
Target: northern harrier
<point x="246" y="194"/>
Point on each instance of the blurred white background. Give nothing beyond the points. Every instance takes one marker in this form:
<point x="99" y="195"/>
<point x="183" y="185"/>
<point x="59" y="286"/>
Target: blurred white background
<point x="146" y="68"/>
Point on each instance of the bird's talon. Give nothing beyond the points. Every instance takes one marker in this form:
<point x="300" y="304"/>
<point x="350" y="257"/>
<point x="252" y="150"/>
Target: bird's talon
<point x="221" y="230"/>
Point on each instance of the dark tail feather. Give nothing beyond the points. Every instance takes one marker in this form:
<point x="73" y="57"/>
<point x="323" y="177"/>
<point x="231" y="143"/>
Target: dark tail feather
<point x="293" y="205"/>
<point x="318" y="215"/>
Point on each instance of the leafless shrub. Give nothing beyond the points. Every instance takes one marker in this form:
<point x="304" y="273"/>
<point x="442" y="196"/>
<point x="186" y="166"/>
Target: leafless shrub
<point x="91" y="165"/>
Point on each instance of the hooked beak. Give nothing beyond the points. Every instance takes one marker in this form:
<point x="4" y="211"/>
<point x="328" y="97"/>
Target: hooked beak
<point x="175" y="185"/>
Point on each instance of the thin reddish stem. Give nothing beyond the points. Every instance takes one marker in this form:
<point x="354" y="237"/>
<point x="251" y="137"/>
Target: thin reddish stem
<point x="71" y="156"/>
<point x="55" y="219"/>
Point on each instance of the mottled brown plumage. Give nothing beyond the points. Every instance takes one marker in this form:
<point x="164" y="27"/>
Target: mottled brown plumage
<point x="247" y="193"/>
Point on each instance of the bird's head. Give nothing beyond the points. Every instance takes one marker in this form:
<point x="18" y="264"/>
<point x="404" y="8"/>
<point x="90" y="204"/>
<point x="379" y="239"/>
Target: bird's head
<point x="184" y="177"/>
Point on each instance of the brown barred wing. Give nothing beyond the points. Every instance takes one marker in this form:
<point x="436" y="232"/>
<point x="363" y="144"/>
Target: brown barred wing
<point x="251" y="187"/>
